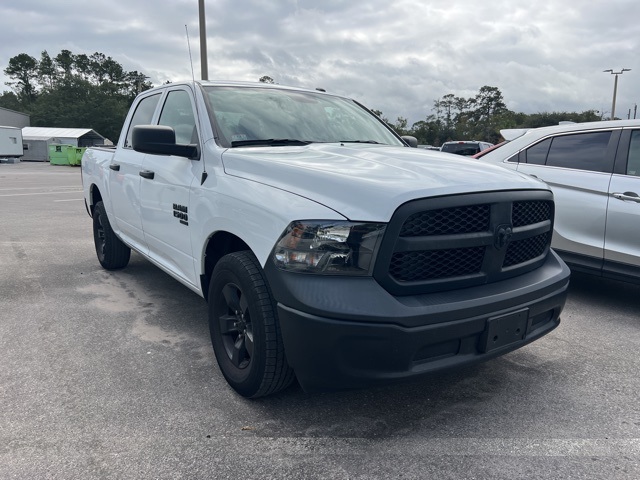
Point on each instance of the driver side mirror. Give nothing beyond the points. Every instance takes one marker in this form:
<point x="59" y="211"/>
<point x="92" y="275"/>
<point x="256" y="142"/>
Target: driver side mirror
<point x="160" y="140"/>
<point x="411" y="141"/>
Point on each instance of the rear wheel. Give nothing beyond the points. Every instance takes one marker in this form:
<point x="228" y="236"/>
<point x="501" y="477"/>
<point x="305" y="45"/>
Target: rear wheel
<point x="111" y="251"/>
<point x="244" y="327"/>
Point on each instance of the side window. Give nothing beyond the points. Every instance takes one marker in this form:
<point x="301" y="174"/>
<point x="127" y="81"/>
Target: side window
<point x="537" y="154"/>
<point x="178" y="114"/>
<point x="142" y="115"/>
<point x="633" y="160"/>
<point x="584" y="151"/>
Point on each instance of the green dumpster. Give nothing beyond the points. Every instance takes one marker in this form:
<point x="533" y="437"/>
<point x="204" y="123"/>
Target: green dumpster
<point x="60" y="154"/>
<point x="76" y="158"/>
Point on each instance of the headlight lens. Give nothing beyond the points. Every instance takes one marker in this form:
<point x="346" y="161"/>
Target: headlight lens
<point x="329" y="247"/>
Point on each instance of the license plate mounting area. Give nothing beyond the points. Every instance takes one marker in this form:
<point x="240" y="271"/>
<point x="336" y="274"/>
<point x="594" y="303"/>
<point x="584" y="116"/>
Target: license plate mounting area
<point x="504" y="330"/>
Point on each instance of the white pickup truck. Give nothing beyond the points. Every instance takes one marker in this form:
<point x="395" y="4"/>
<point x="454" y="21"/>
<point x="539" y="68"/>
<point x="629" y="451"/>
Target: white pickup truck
<point x="327" y="248"/>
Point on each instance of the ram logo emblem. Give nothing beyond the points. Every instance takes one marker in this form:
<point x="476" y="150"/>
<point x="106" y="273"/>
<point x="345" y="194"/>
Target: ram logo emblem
<point x="502" y="236"/>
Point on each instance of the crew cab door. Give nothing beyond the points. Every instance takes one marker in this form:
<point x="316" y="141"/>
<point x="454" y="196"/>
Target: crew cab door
<point x="623" y="216"/>
<point x="166" y="182"/>
<point x="124" y="179"/>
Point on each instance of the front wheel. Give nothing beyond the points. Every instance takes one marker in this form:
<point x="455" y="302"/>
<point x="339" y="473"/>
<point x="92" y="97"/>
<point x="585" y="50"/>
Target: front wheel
<point x="112" y="253"/>
<point x="244" y="327"/>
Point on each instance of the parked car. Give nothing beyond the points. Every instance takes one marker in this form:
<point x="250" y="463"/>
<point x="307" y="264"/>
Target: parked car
<point x="594" y="171"/>
<point x="465" y="147"/>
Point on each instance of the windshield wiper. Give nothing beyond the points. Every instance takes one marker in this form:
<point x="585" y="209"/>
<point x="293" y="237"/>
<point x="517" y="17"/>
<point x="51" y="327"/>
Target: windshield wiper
<point x="272" y="142"/>
<point x="360" y="141"/>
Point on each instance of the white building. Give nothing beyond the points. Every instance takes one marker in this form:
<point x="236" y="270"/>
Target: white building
<point x="10" y="144"/>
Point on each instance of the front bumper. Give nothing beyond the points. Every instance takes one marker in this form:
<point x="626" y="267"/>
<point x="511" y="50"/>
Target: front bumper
<point x="346" y="332"/>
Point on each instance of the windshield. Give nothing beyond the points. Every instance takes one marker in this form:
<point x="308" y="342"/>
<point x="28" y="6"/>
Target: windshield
<point x="254" y="116"/>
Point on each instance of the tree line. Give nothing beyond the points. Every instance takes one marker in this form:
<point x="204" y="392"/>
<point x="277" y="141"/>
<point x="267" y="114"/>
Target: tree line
<point x="95" y="91"/>
<point x="477" y="118"/>
<point x="72" y="91"/>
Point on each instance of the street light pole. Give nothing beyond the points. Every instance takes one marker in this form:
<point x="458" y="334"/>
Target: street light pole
<point x="204" y="66"/>
<point x="615" y="88"/>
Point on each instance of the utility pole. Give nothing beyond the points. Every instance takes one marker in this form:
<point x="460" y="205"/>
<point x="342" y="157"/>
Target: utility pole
<point x="203" y="41"/>
<point x="615" y="88"/>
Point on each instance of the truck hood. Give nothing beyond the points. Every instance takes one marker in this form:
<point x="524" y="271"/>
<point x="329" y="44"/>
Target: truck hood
<point x="368" y="182"/>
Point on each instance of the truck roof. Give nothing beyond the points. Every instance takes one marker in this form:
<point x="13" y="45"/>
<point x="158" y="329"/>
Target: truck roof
<point x="230" y="83"/>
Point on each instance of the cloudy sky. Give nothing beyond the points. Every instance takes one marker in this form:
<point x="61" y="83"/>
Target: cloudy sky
<point x="395" y="56"/>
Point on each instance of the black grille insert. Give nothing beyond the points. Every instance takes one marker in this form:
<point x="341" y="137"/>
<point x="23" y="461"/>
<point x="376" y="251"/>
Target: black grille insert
<point x="527" y="213"/>
<point x="429" y="265"/>
<point x="522" y="251"/>
<point x="459" y="241"/>
<point x="466" y="219"/>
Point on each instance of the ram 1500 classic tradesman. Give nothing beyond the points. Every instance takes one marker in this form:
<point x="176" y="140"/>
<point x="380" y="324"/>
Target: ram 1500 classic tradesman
<point x="327" y="248"/>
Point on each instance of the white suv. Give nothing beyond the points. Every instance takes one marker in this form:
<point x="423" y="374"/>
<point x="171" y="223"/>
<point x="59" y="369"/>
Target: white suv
<point x="594" y="172"/>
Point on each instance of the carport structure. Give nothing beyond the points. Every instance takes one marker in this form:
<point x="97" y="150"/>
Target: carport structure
<point x="37" y="140"/>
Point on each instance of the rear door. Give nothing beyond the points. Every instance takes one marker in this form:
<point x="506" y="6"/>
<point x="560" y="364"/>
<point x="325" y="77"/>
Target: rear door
<point x="578" y="168"/>
<point x="124" y="178"/>
<point x="165" y="190"/>
<point x="622" y="242"/>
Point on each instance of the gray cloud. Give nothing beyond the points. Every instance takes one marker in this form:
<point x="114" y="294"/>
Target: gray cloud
<point x="397" y="57"/>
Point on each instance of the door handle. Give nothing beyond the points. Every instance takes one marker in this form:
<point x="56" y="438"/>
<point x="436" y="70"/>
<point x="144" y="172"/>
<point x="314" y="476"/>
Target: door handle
<point x="115" y="167"/>
<point x="631" y="196"/>
<point x="147" y="174"/>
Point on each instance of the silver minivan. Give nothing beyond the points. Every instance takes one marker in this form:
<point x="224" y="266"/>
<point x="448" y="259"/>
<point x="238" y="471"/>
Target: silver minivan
<point x="594" y="172"/>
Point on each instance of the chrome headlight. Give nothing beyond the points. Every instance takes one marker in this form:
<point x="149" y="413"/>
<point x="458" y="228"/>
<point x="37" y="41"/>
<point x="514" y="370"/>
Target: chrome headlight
<point x="329" y="247"/>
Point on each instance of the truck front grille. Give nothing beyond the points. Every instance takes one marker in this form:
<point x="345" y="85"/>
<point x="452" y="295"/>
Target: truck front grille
<point x="459" y="241"/>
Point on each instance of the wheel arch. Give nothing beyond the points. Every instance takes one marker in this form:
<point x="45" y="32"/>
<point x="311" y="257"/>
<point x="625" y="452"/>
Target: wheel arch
<point x="94" y="197"/>
<point x="218" y="245"/>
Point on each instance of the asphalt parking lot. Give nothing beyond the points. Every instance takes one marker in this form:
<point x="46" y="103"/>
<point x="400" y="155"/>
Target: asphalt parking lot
<point x="111" y="375"/>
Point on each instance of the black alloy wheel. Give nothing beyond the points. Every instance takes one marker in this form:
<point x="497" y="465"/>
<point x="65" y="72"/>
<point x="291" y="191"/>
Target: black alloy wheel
<point x="112" y="253"/>
<point x="245" y="332"/>
<point x="235" y="325"/>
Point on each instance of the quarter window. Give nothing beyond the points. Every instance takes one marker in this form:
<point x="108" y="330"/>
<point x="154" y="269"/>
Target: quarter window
<point x="537" y="154"/>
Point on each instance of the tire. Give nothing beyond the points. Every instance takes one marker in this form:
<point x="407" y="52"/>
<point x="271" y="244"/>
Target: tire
<point x="112" y="253"/>
<point x="245" y="332"/>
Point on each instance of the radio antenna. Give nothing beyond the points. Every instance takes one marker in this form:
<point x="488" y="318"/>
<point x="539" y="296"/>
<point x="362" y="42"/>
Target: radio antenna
<point x="186" y="29"/>
<point x="195" y="99"/>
